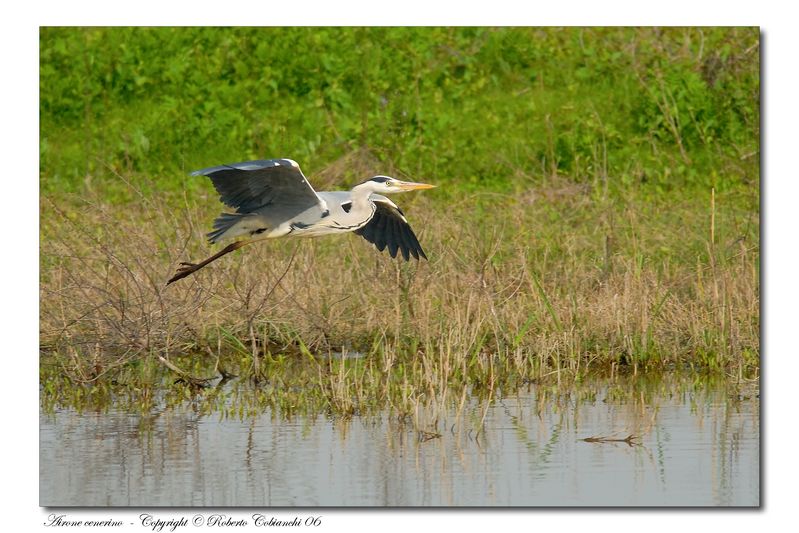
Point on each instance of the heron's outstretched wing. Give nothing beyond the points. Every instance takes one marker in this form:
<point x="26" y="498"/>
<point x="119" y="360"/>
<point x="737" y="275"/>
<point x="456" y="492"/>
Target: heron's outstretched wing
<point x="252" y="185"/>
<point x="389" y="228"/>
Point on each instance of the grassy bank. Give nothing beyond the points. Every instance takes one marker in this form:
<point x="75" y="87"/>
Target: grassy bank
<point x="480" y="107"/>
<point x="562" y="281"/>
<point x="598" y="209"/>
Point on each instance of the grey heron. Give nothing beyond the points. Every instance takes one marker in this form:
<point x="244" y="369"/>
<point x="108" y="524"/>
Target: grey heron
<point x="272" y="198"/>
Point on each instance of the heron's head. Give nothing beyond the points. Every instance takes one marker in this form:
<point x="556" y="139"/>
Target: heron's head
<point x="389" y="185"/>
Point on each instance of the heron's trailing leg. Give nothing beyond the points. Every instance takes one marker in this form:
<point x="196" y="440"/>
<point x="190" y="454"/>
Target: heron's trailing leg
<point x="190" y="268"/>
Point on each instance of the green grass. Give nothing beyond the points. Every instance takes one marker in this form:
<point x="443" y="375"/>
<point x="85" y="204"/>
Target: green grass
<point x="477" y="107"/>
<point x="598" y="209"/>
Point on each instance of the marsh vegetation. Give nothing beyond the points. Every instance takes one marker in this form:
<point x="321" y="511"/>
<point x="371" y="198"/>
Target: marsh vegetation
<point x="598" y="212"/>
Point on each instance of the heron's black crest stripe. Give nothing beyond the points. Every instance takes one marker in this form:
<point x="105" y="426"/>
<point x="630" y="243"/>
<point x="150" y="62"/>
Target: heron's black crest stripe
<point x="379" y="179"/>
<point x="258" y="231"/>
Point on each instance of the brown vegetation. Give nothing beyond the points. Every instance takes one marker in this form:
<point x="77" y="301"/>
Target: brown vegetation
<point x="526" y="287"/>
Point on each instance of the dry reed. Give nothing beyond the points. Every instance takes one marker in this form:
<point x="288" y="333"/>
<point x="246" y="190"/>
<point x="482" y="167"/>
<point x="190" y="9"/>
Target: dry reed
<point x="548" y="284"/>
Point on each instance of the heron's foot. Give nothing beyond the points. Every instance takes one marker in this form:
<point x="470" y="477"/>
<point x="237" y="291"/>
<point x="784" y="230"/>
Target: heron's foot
<point x="183" y="271"/>
<point x="188" y="268"/>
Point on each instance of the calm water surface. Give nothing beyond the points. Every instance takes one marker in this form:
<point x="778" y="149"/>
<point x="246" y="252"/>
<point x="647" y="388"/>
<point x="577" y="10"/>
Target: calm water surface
<point x="698" y="445"/>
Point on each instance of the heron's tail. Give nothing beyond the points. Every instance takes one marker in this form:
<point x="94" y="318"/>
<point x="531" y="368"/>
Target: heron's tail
<point x="224" y="226"/>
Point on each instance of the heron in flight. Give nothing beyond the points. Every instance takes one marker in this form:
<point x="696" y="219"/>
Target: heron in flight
<point x="272" y="198"/>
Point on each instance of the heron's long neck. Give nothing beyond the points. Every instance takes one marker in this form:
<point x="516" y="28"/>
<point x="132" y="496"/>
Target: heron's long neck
<point x="360" y="194"/>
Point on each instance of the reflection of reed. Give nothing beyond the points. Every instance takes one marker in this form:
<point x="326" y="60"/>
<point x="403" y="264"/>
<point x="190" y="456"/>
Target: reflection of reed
<point x="698" y="442"/>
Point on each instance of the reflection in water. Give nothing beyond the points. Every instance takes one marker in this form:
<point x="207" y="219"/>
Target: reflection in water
<point x="697" y="445"/>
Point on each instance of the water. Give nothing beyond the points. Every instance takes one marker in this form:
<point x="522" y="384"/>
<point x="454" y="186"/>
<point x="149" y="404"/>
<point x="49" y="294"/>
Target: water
<point x="697" y="445"/>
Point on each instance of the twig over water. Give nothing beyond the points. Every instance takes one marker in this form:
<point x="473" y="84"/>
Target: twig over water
<point x="631" y="440"/>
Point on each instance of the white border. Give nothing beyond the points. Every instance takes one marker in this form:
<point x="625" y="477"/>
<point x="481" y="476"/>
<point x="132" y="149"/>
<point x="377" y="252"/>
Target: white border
<point x="20" y="267"/>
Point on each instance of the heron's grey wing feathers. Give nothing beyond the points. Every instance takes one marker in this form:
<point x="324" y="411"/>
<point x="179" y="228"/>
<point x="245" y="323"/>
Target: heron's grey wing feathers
<point x="388" y="228"/>
<point x="255" y="185"/>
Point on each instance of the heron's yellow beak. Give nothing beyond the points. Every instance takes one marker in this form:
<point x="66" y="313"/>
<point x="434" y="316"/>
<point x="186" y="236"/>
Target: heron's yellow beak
<point x="412" y="186"/>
